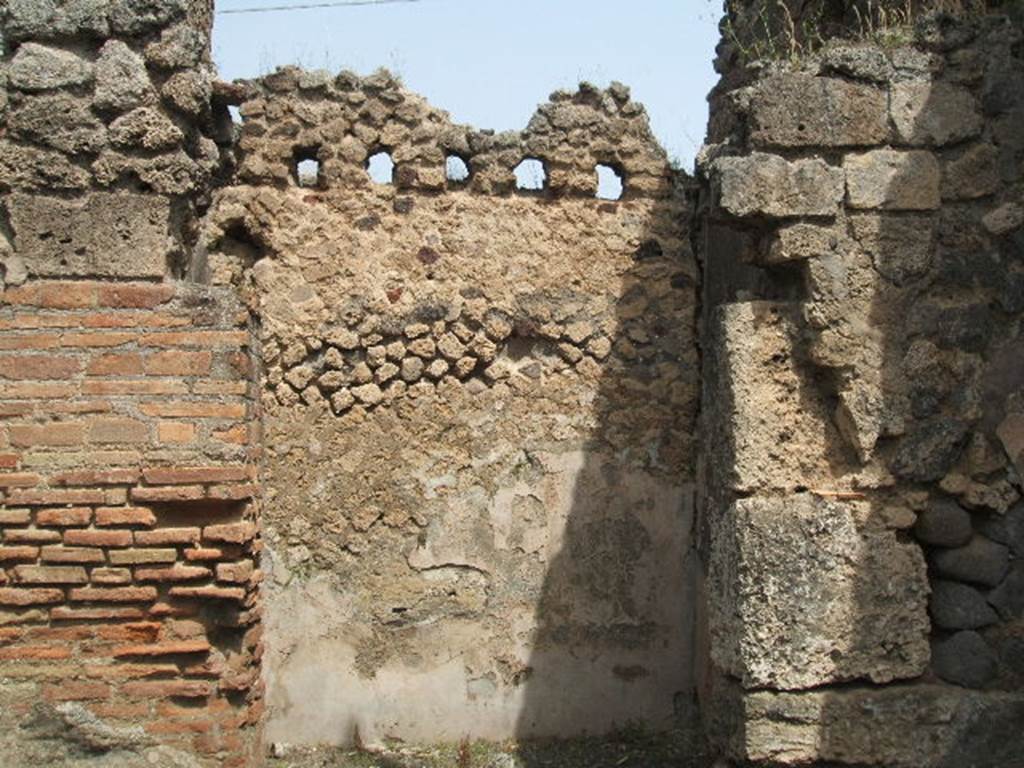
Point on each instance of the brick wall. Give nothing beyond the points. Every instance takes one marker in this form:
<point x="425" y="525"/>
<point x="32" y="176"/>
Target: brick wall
<point x="128" y="535"/>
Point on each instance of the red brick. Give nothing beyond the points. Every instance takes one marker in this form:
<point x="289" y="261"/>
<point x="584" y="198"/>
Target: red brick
<point x="175" y="432"/>
<point x="16" y="596"/>
<point x="178" y="363"/>
<point x="194" y="410"/>
<point x="236" y="594"/>
<point x="236" y="573"/>
<point x="167" y="536"/>
<point x="187" y="475"/>
<point x="50" y="574"/>
<point x="121" y="711"/>
<point x="219" y="387"/>
<point x="168" y="493"/>
<point x="237" y="435"/>
<point x="56" y="496"/>
<point x="171" y="727"/>
<point x="164" y="649"/>
<point x="133" y="387"/>
<point x="98" y="538"/>
<point x="118" y="430"/>
<point x="64" y="516"/>
<point x="8" y="554"/>
<point x="36" y="390"/>
<point x="190" y="689"/>
<point x="87" y="406"/>
<point x="45" y="367"/>
<point x="113" y="594"/>
<point x="9" y="460"/>
<point x="203" y="554"/>
<point x="115" y="364"/>
<point x="15" y="409"/>
<point x="128" y="671"/>
<point x="53" y="433"/>
<point x="97" y="477"/>
<point x="81" y="555"/>
<point x="195" y="339"/>
<point x="233" y="533"/>
<point x="52" y="295"/>
<point x="63" y="613"/>
<point x="96" y="339"/>
<point x="29" y="341"/>
<point x="125" y="516"/>
<point x="30" y="536"/>
<point x="134" y="295"/>
<point x="34" y="653"/>
<point x="177" y="572"/>
<point x="134" y="320"/>
<point x="14" y="516"/>
<point x="76" y="690"/>
<point x="142" y="556"/>
<point x="110" y="576"/>
<point x="19" y="480"/>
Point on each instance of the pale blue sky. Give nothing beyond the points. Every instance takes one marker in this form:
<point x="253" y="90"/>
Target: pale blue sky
<point x="490" y="62"/>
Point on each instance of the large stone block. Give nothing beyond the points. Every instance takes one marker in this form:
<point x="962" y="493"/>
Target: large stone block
<point x="899" y="726"/>
<point x="773" y="431"/>
<point x="893" y="180"/>
<point x="933" y="114"/>
<point x="768" y="185"/>
<point x="102" y="235"/>
<point x="807" y="591"/>
<point x="797" y="110"/>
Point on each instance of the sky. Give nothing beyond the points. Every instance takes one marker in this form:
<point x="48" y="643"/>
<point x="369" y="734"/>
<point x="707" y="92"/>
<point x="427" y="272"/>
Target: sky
<point x="490" y="62"/>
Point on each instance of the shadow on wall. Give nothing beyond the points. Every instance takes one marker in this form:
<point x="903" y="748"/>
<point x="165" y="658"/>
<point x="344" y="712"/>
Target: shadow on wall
<point x="908" y="342"/>
<point x="613" y="637"/>
<point x="943" y="376"/>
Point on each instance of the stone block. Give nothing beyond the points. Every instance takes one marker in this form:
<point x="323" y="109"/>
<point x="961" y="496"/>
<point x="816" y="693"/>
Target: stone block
<point x="753" y="361"/>
<point x="900" y="247"/>
<point x="60" y="121"/>
<point x="797" y="242"/>
<point x="122" y="82"/>
<point x="133" y="17"/>
<point x="933" y="114"/>
<point x="104" y="234"/>
<point x="973" y="174"/>
<point x="807" y="591"/>
<point x="39" y="68"/>
<point x="898" y="726"/>
<point x="893" y="180"/>
<point x="798" y="110"/>
<point x="46" y="19"/>
<point x="768" y="185"/>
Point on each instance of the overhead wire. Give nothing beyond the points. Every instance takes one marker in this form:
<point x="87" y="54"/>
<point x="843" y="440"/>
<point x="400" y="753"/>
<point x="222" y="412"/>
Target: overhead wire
<point x="308" y="6"/>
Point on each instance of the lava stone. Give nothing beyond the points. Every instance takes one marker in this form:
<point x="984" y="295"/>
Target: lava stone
<point x="944" y="524"/>
<point x="964" y="659"/>
<point x="980" y="561"/>
<point x="1008" y="597"/>
<point x="957" y="606"/>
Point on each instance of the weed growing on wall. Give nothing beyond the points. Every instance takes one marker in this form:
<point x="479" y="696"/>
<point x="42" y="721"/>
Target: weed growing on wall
<point x="788" y="29"/>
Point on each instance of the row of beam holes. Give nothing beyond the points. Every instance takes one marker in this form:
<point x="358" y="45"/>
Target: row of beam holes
<point x="531" y="174"/>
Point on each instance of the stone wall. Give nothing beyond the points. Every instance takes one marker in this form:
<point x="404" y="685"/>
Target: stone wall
<point x="441" y="456"/>
<point x="862" y="524"/>
<point x="129" y="432"/>
<point x="479" y="413"/>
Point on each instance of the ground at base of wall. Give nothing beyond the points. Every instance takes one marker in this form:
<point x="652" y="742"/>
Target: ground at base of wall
<point x="628" y="749"/>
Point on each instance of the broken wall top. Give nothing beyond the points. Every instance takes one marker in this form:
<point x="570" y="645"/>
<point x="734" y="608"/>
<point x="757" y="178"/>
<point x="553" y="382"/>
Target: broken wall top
<point x="341" y="121"/>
